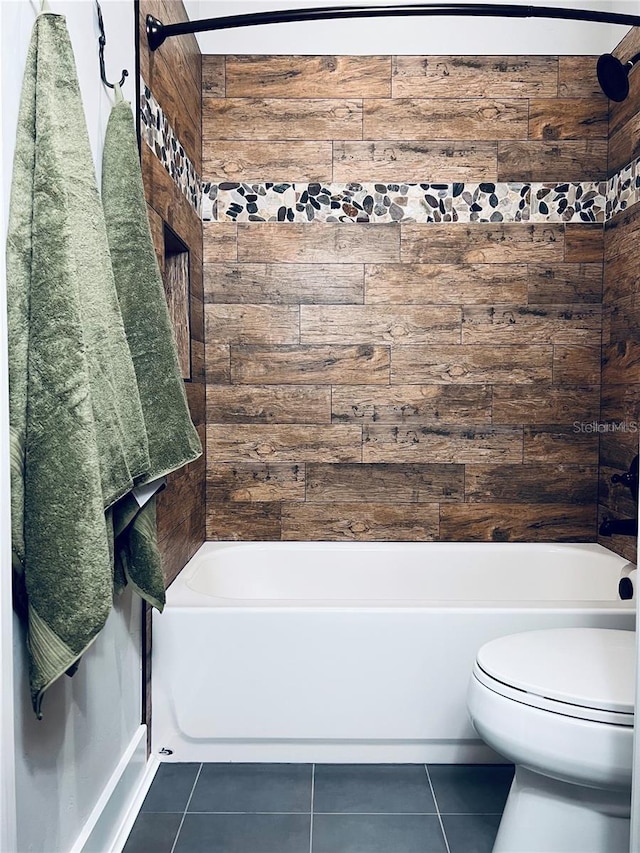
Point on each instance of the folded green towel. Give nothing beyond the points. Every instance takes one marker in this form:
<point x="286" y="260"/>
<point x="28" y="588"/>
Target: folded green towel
<point x="172" y="438"/>
<point x="78" y="437"/>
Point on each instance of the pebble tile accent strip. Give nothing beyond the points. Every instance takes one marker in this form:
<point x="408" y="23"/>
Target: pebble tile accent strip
<point x="586" y="201"/>
<point x="162" y="140"/>
<point x="366" y="202"/>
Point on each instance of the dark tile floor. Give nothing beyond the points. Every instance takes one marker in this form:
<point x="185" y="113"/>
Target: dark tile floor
<point x="321" y="808"/>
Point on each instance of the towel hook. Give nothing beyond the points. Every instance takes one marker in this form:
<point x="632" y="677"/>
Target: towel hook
<point x="102" y="40"/>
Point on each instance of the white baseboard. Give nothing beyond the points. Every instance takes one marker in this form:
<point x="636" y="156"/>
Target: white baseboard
<point x="130" y="818"/>
<point x="111" y="820"/>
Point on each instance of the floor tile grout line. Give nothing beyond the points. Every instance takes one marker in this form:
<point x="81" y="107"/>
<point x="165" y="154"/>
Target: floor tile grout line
<point x="435" y="802"/>
<point x="336" y="814"/>
<point x="313" y="785"/>
<point x="339" y="814"/>
<point x="184" y="814"/>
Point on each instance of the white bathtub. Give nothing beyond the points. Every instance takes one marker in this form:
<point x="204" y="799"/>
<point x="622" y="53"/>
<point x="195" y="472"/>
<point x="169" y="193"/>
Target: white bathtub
<point x="354" y="652"/>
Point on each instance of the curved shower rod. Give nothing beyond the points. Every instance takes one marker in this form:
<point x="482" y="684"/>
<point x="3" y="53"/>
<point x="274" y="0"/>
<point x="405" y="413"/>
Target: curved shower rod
<point x="157" y="32"/>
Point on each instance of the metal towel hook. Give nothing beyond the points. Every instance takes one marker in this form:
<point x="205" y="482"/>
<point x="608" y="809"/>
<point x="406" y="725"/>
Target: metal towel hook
<point x="102" y="40"/>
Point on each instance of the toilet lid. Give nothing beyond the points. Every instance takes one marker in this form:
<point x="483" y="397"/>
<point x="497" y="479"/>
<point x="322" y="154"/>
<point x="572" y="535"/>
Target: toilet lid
<point x="591" y="668"/>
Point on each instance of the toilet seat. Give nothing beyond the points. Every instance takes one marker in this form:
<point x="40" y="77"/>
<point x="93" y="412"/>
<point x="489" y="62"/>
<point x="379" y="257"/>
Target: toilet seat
<point x="586" y="673"/>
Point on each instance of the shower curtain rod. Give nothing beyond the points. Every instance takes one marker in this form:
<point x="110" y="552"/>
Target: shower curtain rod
<point x="157" y="32"/>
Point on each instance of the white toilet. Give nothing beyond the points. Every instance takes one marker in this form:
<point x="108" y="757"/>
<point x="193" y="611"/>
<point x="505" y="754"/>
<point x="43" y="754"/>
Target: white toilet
<point x="559" y="704"/>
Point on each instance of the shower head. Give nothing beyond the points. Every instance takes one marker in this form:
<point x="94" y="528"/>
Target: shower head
<point x="613" y="76"/>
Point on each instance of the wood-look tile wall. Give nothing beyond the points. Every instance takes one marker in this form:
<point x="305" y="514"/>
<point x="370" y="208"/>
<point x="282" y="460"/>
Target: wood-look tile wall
<point x="621" y="321"/>
<point x="407" y="381"/>
<point x="174" y="74"/>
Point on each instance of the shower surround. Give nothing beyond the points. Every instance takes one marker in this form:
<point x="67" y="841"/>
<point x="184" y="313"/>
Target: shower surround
<point x="174" y="75"/>
<point x="417" y="378"/>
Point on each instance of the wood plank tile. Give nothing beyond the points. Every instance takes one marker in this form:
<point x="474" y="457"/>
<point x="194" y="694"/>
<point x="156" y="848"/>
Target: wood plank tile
<point x="196" y="318"/>
<point x="366" y="522"/>
<point x="177" y="549"/>
<point x="392" y="160"/>
<point x="455" y="284"/>
<point x="171" y="12"/>
<point x="517" y="523"/>
<point x="195" y="392"/>
<point x="476" y="76"/>
<point x="237" y="521"/>
<point x="583" y="243"/>
<point x="267" y="404"/>
<point x="532" y="483"/>
<point x="414" y="404"/>
<point x="283" y="443"/>
<point x="455" y="243"/>
<point x="539" y="324"/>
<point x="576" y="365"/>
<point x="621" y="363"/>
<point x="308" y="76"/>
<point x="442" y="443"/>
<point x="275" y="242"/>
<point x="621" y="280"/>
<point x="625" y="546"/>
<point x="218" y="363"/>
<point x="444" y="118"/>
<point x="562" y="160"/>
<point x="183" y="497"/>
<point x="539" y="404"/>
<point x="470" y="364"/>
<point x="577" y="78"/>
<point x="181" y="107"/>
<point x="308" y="365"/>
<point x="564" y="283"/>
<point x="280" y="118"/>
<point x="213" y="76"/>
<point x="251" y="482"/>
<point x="177" y="59"/>
<point x="623" y="111"/>
<point x="164" y="196"/>
<point x="621" y="236"/>
<point x="559" y="444"/>
<point x="384" y="483"/>
<point x="620" y="402"/>
<point x="220" y="242"/>
<point x="372" y="324"/>
<point x="245" y="160"/>
<point x="252" y="324"/>
<point x="176" y="290"/>
<point x="284" y="283"/>
<point x="624" y="145"/>
<point x="618" y="447"/>
<point x="568" y="118"/>
<point x="614" y="496"/>
<point x="157" y="233"/>
<point x="629" y="45"/>
<point x="198" y="373"/>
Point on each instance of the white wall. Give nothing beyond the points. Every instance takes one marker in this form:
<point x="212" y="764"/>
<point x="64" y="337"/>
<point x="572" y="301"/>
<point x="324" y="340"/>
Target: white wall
<point x="7" y="753"/>
<point x="64" y="762"/>
<point x="467" y="35"/>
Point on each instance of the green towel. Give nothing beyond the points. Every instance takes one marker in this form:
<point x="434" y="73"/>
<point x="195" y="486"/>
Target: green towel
<point x="172" y="438"/>
<point x="78" y="437"/>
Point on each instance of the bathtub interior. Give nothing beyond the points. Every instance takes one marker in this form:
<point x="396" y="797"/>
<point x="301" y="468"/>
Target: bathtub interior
<point x="408" y="574"/>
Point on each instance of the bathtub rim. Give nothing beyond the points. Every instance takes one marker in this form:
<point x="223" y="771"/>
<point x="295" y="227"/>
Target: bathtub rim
<point x="180" y="595"/>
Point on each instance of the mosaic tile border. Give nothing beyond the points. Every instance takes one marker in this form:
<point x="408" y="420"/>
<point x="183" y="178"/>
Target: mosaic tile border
<point x="586" y="201"/>
<point x="161" y="138"/>
<point x="232" y="201"/>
